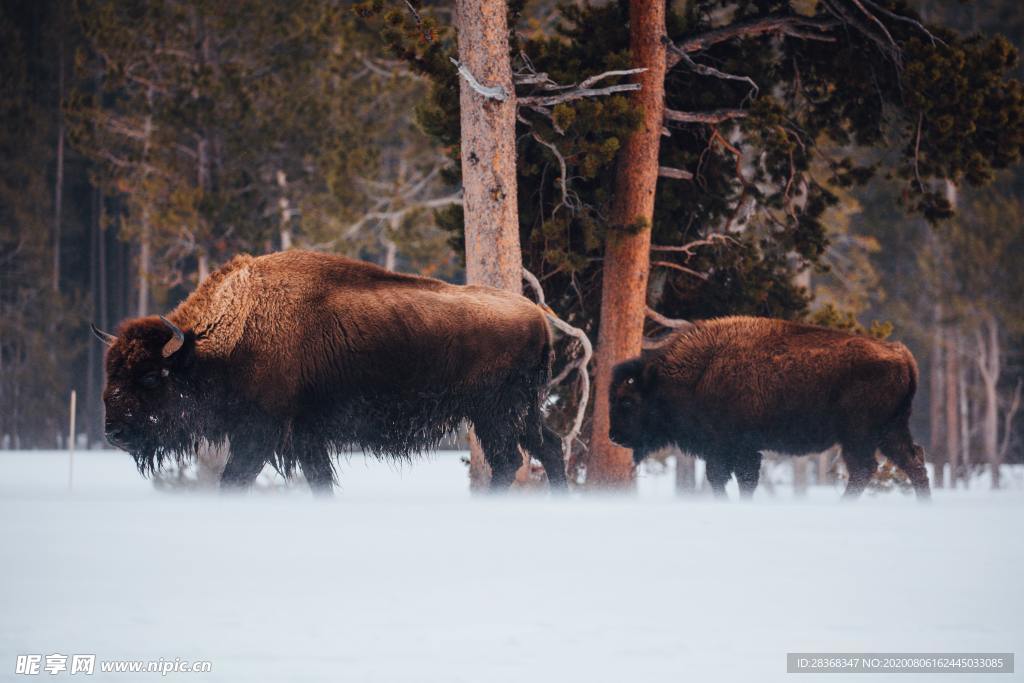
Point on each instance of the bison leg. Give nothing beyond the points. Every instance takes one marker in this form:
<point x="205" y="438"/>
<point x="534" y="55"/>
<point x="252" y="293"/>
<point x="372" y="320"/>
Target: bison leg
<point x="861" y="465"/>
<point x="501" y="450"/>
<point x="317" y="469"/>
<point x="542" y="443"/>
<point x="251" y="449"/>
<point x="241" y="471"/>
<point x="899" y="447"/>
<point x="747" y="468"/>
<point x="719" y="470"/>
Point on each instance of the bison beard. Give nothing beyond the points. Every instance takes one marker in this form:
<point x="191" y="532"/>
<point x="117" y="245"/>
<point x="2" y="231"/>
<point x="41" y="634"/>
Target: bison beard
<point x="293" y="357"/>
<point x="730" y="388"/>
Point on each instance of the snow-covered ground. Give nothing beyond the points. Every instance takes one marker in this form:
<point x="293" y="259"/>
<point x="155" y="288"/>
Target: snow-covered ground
<point x="406" y="577"/>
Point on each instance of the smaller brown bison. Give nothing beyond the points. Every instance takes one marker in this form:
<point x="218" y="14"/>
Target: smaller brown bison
<point x="727" y="389"/>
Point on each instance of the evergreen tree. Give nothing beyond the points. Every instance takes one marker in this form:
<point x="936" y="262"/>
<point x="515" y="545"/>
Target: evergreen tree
<point x="756" y="94"/>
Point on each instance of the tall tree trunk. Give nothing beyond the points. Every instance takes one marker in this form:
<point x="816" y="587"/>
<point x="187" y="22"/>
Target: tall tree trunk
<point x="286" y="213"/>
<point x="936" y="392"/>
<point x="145" y="236"/>
<point x="92" y="391"/>
<point x="627" y="252"/>
<point x="989" y="368"/>
<point x="58" y="190"/>
<point x="493" y="255"/>
<point x="952" y="401"/>
<point x="963" y="381"/>
<point x="145" y="258"/>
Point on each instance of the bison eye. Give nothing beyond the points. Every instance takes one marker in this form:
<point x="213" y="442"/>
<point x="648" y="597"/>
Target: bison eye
<point x="631" y="381"/>
<point x="151" y="380"/>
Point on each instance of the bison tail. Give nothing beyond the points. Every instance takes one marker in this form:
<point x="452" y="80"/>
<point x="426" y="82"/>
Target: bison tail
<point x="904" y="408"/>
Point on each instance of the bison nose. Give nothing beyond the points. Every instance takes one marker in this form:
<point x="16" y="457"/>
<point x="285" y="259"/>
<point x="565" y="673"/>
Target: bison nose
<point x="114" y="431"/>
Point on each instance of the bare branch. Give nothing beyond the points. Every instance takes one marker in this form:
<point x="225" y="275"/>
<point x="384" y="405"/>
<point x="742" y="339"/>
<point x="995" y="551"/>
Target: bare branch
<point x="690" y="246"/>
<point x="797" y="27"/>
<point x="580" y="364"/>
<point x="649" y="344"/>
<point x="711" y="117"/>
<point x="396" y="214"/>
<point x="674" y="173"/>
<point x="705" y="70"/>
<point x="490" y="92"/>
<point x="877" y="22"/>
<point x="885" y="44"/>
<point x="577" y="93"/>
<point x="682" y="269"/>
<point x="672" y="323"/>
<point x="899" y="17"/>
<point x="588" y="82"/>
<point x="572" y="204"/>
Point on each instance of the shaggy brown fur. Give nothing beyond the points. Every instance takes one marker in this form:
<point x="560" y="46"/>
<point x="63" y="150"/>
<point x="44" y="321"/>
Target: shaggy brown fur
<point x="729" y="388"/>
<point x="295" y="355"/>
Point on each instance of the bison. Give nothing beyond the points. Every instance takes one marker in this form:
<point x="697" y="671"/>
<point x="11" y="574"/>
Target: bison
<point x="729" y="388"/>
<point x="293" y="356"/>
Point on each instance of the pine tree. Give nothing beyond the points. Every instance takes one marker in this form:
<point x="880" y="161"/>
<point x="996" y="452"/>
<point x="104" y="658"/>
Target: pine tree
<point x="754" y="99"/>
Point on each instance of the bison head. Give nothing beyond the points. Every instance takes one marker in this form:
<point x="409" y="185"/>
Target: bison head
<point x="148" y="396"/>
<point x="633" y="414"/>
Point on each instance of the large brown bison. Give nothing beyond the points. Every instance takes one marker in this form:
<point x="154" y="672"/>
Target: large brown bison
<point x="730" y="388"/>
<point x="295" y="355"/>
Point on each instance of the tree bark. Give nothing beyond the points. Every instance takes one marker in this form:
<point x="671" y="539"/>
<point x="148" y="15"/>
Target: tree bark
<point x="493" y="255"/>
<point x="286" y="214"/>
<point x="989" y="368"/>
<point x="145" y="237"/>
<point x="935" y="397"/>
<point x="58" y="190"/>
<point x="952" y="400"/>
<point x="627" y="251"/>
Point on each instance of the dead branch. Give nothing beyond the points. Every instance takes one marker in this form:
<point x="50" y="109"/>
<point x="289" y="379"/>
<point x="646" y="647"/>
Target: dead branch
<point x="398" y="214"/>
<point x="649" y="344"/>
<point x="580" y="364"/>
<point x="899" y="17"/>
<point x="567" y="93"/>
<point x="709" y="117"/>
<point x="682" y="269"/>
<point x="572" y="204"/>
<point x="671" y="323"/>
<point x="674" y="173"/>
<point x="877" y="22"/>
<point x="690" y="246"/>
<point x="495" y="92"/>
<point x="705" y="70"/>
<point x="798" y="27"/>
<point x="577" y="93"/>
<point x="885" y="42"/>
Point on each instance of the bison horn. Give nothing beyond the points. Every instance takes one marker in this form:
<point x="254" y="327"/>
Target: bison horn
<point x="175" y="343"/>
<point x="107" y="339"/>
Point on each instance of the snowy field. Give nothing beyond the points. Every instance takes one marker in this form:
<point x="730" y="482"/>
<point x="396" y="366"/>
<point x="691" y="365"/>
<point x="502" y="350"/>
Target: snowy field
<point x="405" y="577"/>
